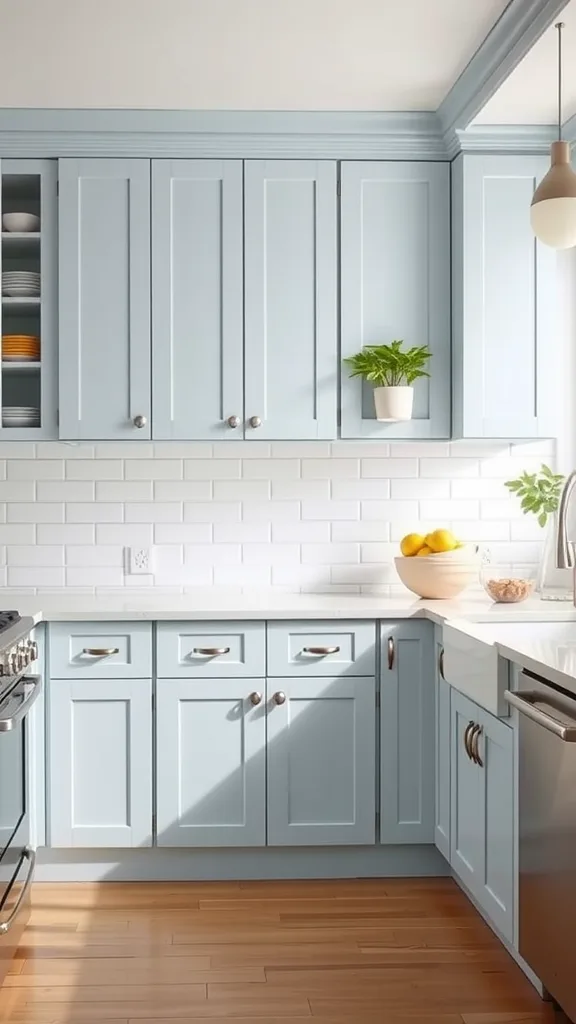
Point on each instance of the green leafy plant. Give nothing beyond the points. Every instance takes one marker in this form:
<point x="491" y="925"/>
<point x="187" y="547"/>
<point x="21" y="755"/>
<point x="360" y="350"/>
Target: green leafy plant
<point x="539" y="492"/>
<point x="389" y="366"/>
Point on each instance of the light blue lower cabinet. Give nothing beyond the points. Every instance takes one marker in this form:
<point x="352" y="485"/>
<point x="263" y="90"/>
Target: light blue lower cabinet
<point x="482" y="818"/>
<point x="321" y="761"/>
<point x="211" y="762"/>
<point x="99" y="785"/>
<point x="407" y="732"/>
<point x="442" y="753"/>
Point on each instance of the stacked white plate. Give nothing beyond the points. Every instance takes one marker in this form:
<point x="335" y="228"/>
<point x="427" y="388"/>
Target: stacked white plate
<point x="20" y="283"/>
<point x="20" y="416"/>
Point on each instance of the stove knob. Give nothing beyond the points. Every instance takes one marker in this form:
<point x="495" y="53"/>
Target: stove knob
<point x="13" y="662"/>
<point x="34" y="649"/>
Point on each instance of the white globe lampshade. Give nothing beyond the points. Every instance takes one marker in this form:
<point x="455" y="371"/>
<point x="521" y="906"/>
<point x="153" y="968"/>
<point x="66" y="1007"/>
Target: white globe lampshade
<point x="553" y="209"/>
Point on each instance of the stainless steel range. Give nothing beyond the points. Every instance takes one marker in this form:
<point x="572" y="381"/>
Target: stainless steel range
<point x="19" y="688"/>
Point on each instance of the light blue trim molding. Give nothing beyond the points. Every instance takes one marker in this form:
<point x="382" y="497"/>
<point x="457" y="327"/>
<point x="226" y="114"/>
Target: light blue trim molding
<point x="514" y="34"/>
<point x="221" y="134"/>
<point x="521" y="139"/>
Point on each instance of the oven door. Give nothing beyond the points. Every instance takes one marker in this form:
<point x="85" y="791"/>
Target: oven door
<point x="16" y="858"/>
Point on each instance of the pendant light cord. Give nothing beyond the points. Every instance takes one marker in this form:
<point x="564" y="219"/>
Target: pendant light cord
<point x="559" y="26"/>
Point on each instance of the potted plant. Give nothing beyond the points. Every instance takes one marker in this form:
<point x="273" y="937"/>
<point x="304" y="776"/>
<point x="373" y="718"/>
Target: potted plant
<point x="392" y="371"/>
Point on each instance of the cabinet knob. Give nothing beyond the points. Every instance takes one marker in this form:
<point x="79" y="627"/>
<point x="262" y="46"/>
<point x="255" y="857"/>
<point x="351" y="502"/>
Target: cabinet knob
<point x="255" y="422"/>
<point x="140" y="421"/>
<point x="255" y="698"/>
<point x="279" y="697"/>
<point x="233" y="422"/>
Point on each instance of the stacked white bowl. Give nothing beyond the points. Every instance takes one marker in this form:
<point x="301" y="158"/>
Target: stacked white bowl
<point x="440" y="576"/>
<point x="20" y="283"/>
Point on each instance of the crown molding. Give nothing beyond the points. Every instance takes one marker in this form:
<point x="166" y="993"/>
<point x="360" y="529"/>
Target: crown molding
<point x="517" y="30"/>
<point x="522" y="139"/>
<point x="412" y="135"/>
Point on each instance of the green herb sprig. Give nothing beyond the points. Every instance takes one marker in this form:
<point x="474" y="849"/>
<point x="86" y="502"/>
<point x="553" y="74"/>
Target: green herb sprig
<point x="539" y="492"/>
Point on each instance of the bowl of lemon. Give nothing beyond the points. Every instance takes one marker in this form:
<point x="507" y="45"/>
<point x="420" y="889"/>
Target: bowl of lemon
<point x="437" y="566"/>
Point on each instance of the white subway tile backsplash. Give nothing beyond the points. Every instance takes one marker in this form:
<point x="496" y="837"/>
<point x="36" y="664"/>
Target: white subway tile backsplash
<point x="68" y="533"/>
<point x="42" y="469"/>
<point x="153" y="469"/>
<point x="330" y="469"/>
<point x="387" y="468"/>
<point x="126" y="490"/>
<point x="65" y="490"/>
<point x="94" y="469"/>
<point x="310" y="516"/>
<point x="94" y="512"/>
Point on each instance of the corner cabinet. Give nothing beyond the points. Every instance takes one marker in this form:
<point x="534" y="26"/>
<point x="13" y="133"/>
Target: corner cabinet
<point x="505" y="343"/>
<point x="482" y="810"/>
<point x="395" y="283"/>
<point x="407" y="733"/>
<point x="104" y="299"/>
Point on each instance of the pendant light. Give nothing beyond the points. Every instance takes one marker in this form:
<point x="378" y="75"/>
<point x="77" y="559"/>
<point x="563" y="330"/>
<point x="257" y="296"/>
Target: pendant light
<point x="553" y="209"/>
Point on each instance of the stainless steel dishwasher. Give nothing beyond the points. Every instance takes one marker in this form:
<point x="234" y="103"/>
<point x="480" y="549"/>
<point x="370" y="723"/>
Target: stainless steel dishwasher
<point x="547" y="816"/>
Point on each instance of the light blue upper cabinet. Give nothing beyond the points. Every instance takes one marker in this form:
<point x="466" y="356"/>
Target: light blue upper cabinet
<point x="321" y="761"/>
<point x="197" y="299"/>
<point x="31" y="185"/>
<point x="291" y="363"/>
<point x="104" y="299"/>
<point x="395" y="260"/>
<point x="407" y="733"/>
<point x="506" y="348"/>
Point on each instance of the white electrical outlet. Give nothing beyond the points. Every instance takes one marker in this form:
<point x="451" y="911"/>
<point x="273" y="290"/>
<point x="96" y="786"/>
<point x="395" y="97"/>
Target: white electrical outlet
<point x="140" y="561"/>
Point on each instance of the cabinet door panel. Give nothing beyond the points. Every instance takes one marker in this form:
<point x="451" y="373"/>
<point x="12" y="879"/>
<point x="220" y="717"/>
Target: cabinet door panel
<point x="100" y="781"/>
<point x="504" y="302"/>
<point x="407" y="734"/>
<point x="197" y="298"/>
<point x="395" y="256"/>
<point x="290" y="294"/>
<point x="104" y="286"/>
<point x="467" y="818"/>
<point x="443" y="750"/>
<point x="321" y="762"/>
<point x="496" y="750"/>
<point x="211" y="773"/>
<point x="31" y="185"/>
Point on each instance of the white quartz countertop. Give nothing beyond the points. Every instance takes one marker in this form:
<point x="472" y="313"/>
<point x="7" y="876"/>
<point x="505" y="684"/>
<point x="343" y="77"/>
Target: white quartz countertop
<point x="209" y="604"/>
<point x="553" y="658"/>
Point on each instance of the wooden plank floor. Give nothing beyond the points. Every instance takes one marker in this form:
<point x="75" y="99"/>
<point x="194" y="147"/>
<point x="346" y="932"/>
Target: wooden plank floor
<point x="344" y="952"/>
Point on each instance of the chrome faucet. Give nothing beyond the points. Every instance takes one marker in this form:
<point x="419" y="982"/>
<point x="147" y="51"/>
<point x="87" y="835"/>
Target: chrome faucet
<point x="564" y="548"/>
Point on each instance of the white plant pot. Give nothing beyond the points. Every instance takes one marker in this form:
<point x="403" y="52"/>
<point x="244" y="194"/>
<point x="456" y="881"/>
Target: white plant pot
<point x="394" y="403"/>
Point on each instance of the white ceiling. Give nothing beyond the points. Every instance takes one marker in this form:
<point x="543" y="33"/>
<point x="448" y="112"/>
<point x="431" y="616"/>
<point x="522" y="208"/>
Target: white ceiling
<point x="238" y="54"/>
<point x="528" y="96"/>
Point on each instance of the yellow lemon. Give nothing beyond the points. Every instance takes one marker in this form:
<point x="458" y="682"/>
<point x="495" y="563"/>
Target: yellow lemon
<point x="424" y="551"/>
<point x="441" y="540"/>
<point x="411" y="544"/>
<point x="427" y="539"/>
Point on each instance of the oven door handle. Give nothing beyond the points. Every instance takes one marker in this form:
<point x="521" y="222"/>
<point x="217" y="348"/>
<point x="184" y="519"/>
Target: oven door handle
<point x="29" y="855"/>
<point x="8" y="722"/>
<point x="525" y="701"/>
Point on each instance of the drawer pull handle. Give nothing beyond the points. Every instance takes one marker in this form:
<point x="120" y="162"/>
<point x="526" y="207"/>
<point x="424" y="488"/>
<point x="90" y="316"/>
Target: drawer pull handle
<point x="441" y="664"/>
<point x="279" y="697"/>
<point x="391" y="652"/>
<point x="211" y="652"/>
<point x="467" y="734"/>
<point x="319" y="651"/>
<point x="255" y="698"/>
<point x="101" y="652"/>
<point x="474" y="737"/>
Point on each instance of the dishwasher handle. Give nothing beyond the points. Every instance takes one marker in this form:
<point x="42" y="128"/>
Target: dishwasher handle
<point x="525" y="702"/>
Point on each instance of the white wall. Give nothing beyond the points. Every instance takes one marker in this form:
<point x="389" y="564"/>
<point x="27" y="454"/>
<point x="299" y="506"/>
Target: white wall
<point x="237" y="54"/>
<point x="310" y="516"/>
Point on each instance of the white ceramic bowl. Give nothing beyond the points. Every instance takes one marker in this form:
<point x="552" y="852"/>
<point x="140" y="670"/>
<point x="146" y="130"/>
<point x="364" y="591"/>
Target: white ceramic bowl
<point x="20" y="222"/>
<point x="438" y="579"/>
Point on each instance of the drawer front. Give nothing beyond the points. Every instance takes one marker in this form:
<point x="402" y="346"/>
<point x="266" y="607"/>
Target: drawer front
<point x="321" y="648"/>
<point x="100" y="650"/>
<point x="222" y="650"/>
